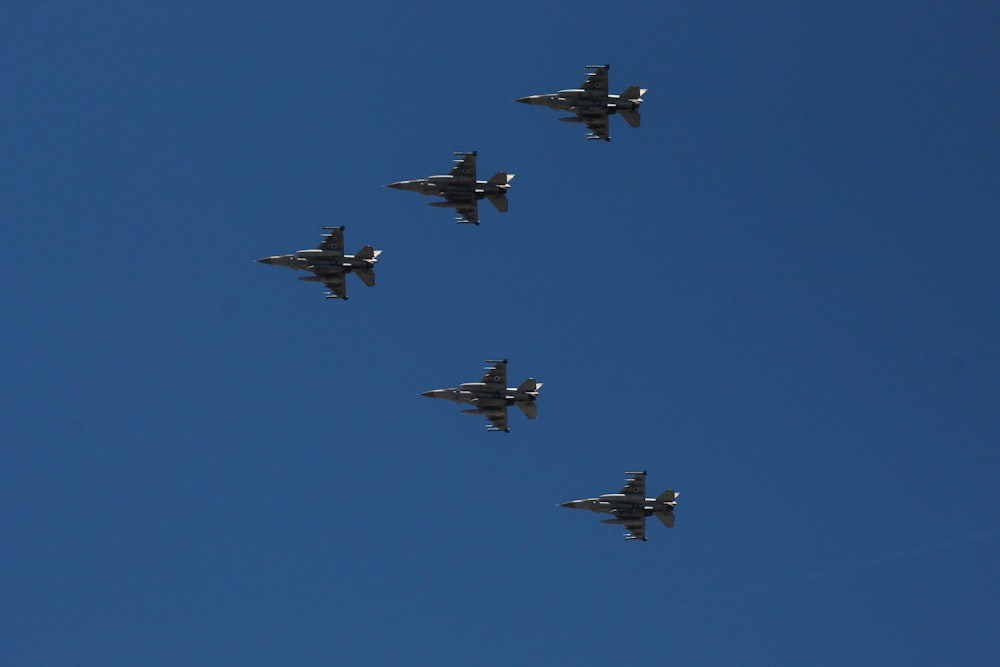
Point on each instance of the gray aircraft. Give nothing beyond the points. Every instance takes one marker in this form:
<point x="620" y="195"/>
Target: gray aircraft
<point x="491" y="396"/>
<point x="330" y="265"/>
<point x="592" y="104"/>
<point x="461" y="190"/>
<point x="630" y="506"/>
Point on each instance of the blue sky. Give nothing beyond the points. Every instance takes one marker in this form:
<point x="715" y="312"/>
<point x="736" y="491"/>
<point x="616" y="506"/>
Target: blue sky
<point x="779" y="296"/>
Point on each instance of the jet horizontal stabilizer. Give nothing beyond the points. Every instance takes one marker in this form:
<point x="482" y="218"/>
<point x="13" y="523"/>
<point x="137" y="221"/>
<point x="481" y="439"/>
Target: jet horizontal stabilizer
<point x="529" y="386"/>
<point x="668" y="496"/>
<point x="608" y="66"/>
<point x="501" y="178"/>
<point x="330" y="229"/>
<point x="631" y="117"/>
<point x="367" y="276"/>
<point x="634" y="93"/>
<point x="499" y="202"/>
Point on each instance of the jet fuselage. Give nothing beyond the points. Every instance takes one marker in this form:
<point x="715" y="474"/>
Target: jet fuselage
<point x="446" y="185"/>
<point x="477" y="393"/>
<point x="612" y="503"/>
<point x="577" y="98"/>
<point x="316" y="260"/>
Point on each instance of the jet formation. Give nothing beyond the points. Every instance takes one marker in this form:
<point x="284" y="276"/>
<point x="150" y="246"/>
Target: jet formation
<point x="329" y="265"/>
<point x="592" y="104"/>
<point x="491" y="396"/>
<point x="630" y="506"/>
<point x="460" y="189"/>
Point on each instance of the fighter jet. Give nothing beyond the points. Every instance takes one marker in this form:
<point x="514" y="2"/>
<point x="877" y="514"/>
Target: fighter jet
<point x="461" y="190"/>
<point x="592" y="104"/>
<point x="491" y="396"/>
<point x="630" y="506"/>
<point x="330" y="265"/>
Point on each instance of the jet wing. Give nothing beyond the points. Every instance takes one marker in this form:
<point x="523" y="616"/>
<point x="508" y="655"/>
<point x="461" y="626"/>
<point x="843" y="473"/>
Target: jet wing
<point x="597" y="123"/>
<point x="333" y="240"/>
<point x="498" y="419"/>
<point x="464" y="169"/>
<point x="635" y="524"/>
<point x="597" y="82"/>
<point x="467" y="208"/>
<point x="496" y="376"/>
<point x="335" y="282"/>
<point x="636" y="486"/>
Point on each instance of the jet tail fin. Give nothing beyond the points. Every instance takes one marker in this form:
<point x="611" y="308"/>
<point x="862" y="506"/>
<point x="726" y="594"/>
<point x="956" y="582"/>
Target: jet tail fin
<point x="666" y="518"/>
<point x="500" y="178"/>
<point x="530" y="410"/>
<point x="631" y="117"/>
<point x="500" y="202"/>
<point x="367" y="276"/>
<point x="668" y="496"/>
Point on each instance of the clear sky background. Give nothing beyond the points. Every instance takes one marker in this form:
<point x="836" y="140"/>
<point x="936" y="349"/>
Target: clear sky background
<point x="778" y="296"/>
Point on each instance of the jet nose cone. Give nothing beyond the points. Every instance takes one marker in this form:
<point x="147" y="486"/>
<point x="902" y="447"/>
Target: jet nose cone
<point x="567" y="504"/>
<point x="435" y="393"/>
<point x="266" y="260"/>
<point x="526" y="100"/>
<point x="396" y="186"/>
<point x="438" y="393"/>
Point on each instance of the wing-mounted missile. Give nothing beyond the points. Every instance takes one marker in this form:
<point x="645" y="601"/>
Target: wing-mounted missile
<point x="607" y="67"/>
